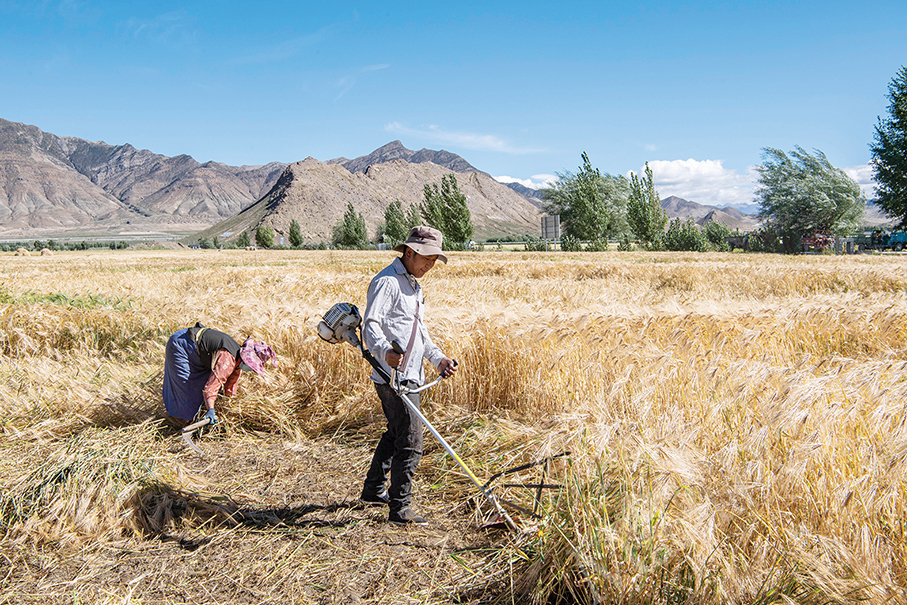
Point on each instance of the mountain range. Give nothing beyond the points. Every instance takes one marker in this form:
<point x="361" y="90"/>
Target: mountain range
<point x="316" y="195"/>
<point x="54" y="184"/>
<point x="59" y="186"/>
<point x="676" y="207"/>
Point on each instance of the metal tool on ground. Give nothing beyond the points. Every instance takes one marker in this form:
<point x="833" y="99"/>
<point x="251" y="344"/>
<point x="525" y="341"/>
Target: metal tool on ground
<point x="188" y="430"/>
<point x="340" y="324"/>
<point x="536" y="488"/>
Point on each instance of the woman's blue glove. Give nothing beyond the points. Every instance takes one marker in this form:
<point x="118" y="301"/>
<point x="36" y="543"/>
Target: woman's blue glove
<point x="211" y="416"/>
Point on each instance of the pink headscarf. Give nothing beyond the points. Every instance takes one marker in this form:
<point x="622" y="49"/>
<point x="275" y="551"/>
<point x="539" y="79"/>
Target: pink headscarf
<point x="256" y="354"/>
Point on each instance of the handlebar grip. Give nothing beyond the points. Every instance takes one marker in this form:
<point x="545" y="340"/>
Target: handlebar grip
<point x="197" y="425"/>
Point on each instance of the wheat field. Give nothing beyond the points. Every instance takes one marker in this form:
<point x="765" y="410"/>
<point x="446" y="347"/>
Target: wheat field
<point x="734" y="423"/>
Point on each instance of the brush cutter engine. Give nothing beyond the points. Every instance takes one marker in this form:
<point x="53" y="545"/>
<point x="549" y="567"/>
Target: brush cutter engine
<point x="340" y="324"/>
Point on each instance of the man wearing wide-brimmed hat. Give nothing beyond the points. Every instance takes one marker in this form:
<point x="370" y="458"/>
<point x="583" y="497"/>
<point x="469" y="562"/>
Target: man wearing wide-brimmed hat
<point x="394" y="312"/>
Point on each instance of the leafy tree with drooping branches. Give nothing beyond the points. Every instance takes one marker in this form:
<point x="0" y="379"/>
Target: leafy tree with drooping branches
<point x="803" y="194"/>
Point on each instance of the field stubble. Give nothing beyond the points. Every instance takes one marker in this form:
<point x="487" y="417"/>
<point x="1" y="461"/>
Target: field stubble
<point x="736" y="424"/>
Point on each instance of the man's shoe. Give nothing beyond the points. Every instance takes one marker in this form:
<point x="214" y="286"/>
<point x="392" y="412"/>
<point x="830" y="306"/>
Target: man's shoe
<point x="370" y="499"/>
<point x="406" y="516"/>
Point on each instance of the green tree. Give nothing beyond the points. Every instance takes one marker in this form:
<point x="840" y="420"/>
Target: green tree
<point x="644" y="212"/>
<point x="803" y="194"/>
<point x="625" y="245"/>
<point x="204" y="243"/>
<point x="684" y="236"/>
<point x="396" y="223"/>
<point x="592" y="205"/>
<point x="571" y="244"/>
<point x="295" y="234"/>
<point x="444" y="208"/>
<point x="717" y="233"/>
<point x="350" y="231"/>
<point x="889" y="151"/>
<point x="264" y="236"/>
<point x="243" y="241"/>
<point x="413" y="217"/>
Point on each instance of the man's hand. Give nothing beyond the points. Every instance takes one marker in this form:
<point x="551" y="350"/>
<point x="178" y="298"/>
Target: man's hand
<point x="210" y="415"/>
<point x="447" y="367"/>
<point x="393" y="359"/>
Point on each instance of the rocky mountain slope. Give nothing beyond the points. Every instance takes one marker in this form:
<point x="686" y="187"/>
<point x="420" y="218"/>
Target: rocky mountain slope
<point x="396" y="151"/>
<point x="53" y="185"/>
<point x="677" y="207"/>
<point x="533" y="195"/>
<point x="58" y="184"/>
<point x="316" y="194"/>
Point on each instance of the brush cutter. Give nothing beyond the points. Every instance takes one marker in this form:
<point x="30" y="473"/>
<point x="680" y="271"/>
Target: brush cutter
<point x="340" y="324"/>
<point x="188" y="430"/>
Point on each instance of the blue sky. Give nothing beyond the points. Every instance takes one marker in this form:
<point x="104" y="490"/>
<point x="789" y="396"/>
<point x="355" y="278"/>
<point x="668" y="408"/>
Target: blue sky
<point x="519" y="89"/>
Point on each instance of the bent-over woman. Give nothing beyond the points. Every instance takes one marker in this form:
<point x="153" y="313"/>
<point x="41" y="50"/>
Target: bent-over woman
<point x="198" y="362"/>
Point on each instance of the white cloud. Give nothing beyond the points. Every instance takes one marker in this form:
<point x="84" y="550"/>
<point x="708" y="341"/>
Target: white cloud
<point x="344" y="85"/>
<point x="536" y="181"/>
<point x="863" y="176"/>
<point x="465" y="140"/>
<point x="702" y="181"/>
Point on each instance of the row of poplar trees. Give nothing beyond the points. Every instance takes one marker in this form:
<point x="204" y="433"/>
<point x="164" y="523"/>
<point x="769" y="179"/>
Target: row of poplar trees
<point x="798" y="193"/>
<point x="443" y="207"/>
<point x="596" y="207"/>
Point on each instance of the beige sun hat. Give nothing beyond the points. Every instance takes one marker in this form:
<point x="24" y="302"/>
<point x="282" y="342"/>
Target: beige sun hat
<point x="425" y="241"/>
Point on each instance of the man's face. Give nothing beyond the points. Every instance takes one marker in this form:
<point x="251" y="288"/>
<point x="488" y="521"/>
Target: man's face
<point x="416" y="264"/>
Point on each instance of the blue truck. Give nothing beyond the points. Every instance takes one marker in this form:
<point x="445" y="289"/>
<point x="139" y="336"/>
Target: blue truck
<point x="881" y="240"/>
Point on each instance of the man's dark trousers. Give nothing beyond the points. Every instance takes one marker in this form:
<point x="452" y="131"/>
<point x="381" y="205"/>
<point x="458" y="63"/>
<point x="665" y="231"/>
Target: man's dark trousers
<point x="399" y="449"/>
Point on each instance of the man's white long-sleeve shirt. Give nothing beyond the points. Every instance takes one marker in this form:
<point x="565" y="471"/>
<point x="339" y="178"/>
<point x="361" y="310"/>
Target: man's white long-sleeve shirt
<point x="394" y="296"/>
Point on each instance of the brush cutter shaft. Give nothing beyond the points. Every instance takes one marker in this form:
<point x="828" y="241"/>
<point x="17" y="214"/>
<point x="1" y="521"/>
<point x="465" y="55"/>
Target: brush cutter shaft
<point x="488" y="496"/>
<point x="402" y="391"/>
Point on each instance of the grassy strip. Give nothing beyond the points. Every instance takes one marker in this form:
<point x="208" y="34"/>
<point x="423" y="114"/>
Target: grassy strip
<point x="86" y="301"/>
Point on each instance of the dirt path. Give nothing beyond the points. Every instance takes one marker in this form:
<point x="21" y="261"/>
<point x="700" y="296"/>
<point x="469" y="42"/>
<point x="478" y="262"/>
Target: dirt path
<point x="297" y="535"/>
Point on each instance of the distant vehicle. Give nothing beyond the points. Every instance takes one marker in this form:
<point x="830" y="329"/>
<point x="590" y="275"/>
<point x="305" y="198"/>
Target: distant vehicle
<point x="818" y="241"/>
<point x="881" y="240"/>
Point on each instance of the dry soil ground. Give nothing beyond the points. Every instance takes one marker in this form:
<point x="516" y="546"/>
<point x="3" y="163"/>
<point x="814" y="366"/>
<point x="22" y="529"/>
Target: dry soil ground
<point x="281" y="523"/>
